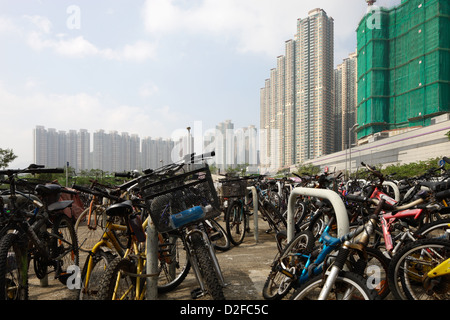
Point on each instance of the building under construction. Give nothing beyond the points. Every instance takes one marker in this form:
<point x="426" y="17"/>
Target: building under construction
<point x="403" y="65"/>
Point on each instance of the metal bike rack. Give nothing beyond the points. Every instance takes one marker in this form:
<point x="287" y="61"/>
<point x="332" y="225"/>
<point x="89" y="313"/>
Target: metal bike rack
<point x="152" y="260"/>
<point x="255" y="211"/>
<point x="333" y="197"/>
<point x="395" y="188"/>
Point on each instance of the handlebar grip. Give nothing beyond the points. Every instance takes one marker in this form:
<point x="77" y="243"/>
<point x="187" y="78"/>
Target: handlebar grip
<point x="36" y="166"/>
<point x="55" y="170"/>
<point x="355" y="198"/>
<point x="446" y="159"/>
<point x="122" y="174"/>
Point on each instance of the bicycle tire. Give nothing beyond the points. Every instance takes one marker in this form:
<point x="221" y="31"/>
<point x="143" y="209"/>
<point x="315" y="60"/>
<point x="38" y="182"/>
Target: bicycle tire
<point x="100" y="260"/>
<point x="116" y="283"/>
<point x="206" y="268"/>
<point x="13" y="268"/>
<point x="65" y="250"/>
<point x="434" y="229"/>
<point x="174" y="264"/>
<point x="220" y="239"/>
<point x="344" y="282"/>
<point x="407" y="285"/>
<point x="278" y="284"/>
<point x="235" y="222"/>
<point x="374" y="268"/>
<point x="88" y="236"/>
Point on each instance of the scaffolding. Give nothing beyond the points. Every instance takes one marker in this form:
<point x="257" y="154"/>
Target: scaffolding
<point x="403" y="65"/>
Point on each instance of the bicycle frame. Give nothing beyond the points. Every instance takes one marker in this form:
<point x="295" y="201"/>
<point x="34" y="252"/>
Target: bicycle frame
<point x="315" y="267"/>
<point x="441" y="270"/>
<point x="108" y="240"/>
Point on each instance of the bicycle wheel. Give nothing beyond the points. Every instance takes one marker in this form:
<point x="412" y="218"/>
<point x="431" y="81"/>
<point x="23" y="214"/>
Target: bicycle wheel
<point x="434" y="229"/>
<point x="100" y="261"/>
<point x="408" y="271"/>
<point x="274" y="218"/>
<point x="116" y="283"/>
<point x="206" y="268"/>
<point x="348" y="286"/>
<point x="64" y="247"/>
<point x="218" y="236"/>
<point x="174" y="264"/>
<point x="235" y="222"/>
<point x="90" y="230"/>
<point x="373" y="266"/>
<point x="287" y="264"/>
<point x="13" y="268"/>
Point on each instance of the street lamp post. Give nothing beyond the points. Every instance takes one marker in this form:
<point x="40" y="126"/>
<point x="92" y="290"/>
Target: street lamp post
<point x="350" y="146"/>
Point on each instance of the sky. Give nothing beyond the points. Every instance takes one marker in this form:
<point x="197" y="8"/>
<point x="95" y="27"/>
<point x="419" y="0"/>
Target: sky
<point x="146" y="67"/>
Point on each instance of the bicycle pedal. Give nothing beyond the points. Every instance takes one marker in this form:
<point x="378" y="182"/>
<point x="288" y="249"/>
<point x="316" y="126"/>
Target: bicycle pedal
<point x="197" y="293"/>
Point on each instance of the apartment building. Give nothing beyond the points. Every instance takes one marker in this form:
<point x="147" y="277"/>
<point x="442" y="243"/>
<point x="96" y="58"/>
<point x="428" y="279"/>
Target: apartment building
<point x="297" y="101"/>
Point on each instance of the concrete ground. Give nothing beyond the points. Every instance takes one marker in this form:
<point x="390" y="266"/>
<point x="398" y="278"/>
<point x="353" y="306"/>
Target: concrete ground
<point x="245" y="269"/>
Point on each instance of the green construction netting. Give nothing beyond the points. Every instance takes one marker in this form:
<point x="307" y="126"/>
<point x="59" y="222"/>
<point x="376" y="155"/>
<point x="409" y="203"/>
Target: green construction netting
<point x="403" y="65"/>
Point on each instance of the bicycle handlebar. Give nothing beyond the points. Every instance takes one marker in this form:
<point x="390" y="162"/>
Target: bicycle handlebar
<point x="373" y="170"/>
<point x="96" y="192"/>
<point x="32" y="169"/>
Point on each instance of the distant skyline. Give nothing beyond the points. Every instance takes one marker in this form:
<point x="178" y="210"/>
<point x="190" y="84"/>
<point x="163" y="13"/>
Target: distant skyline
<point x="147" y="67"/>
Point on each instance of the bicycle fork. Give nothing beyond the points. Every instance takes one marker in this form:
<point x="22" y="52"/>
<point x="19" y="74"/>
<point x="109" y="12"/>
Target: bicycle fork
<point x="338" y="265"/>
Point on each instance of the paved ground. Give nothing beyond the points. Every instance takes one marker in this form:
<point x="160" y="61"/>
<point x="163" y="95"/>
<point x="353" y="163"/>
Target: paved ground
<point x="245" y="270"/>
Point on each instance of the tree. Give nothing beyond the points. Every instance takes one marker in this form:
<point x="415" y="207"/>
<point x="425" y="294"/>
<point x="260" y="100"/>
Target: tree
<point x="6" y="157"/>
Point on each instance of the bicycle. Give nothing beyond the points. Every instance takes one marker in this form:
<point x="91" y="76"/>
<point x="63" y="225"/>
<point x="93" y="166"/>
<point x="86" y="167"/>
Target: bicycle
<point x="334" y="282"/>
<point x="237" y="214"/>
<point x="421" y="270"/>
<point x="26" y="236"/>
<point x="174" y="267"/>
<point x="180" y="197"/>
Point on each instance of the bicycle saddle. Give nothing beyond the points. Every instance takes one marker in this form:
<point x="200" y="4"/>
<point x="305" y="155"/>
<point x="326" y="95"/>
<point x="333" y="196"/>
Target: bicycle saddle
<point x="50" y="193"/>
<point x="122" y="209"/>
<point x="60" y="205"/>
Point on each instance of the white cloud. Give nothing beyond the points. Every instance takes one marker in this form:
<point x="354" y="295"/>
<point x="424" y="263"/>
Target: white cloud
<point x="259" y="26"/>
<point x="7" y="26"/>
<point x="79" y="47"/>
<point x="148" y="89"/>
<point x="38" y="35"/>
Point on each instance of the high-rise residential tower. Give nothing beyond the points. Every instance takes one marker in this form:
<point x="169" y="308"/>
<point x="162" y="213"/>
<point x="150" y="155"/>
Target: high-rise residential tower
<point x="345" y="93"/>
<point x="314" y="86"/>
<point x="297" y="100"/>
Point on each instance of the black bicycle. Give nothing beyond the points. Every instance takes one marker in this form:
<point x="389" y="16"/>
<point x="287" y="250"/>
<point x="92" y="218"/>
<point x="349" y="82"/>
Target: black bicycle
<point x="45" y="235"/>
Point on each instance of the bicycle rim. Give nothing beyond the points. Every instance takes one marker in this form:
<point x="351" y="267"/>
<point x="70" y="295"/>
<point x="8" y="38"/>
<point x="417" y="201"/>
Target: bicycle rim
<point x="348" y="286"/>
<point x="408" y="275"/>
<point x="236" y="223"/>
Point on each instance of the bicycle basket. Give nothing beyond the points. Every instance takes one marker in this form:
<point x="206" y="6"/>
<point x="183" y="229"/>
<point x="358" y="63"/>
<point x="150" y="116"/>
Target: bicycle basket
<point x="233" y="188"/>
<point x="184" y="190"/>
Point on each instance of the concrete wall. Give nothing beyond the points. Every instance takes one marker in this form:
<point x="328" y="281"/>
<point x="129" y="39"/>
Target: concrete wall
<point x="412" y="146"/>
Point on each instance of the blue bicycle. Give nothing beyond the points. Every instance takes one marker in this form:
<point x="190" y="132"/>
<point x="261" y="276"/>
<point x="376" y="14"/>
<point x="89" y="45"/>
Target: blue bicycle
<point x="304" y="260"/>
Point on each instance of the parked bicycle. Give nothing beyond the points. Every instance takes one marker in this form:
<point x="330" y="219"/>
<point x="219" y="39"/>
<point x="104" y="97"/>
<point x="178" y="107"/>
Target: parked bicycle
<point x="421" y="270"/>
<point x="45" y="235"/>
<point x="180" y="197"/>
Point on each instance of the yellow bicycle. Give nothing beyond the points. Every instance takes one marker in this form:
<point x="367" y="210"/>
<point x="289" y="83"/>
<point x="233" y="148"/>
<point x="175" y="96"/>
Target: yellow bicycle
<point x="173" y="262"/>
<point x="421" y="270"/>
